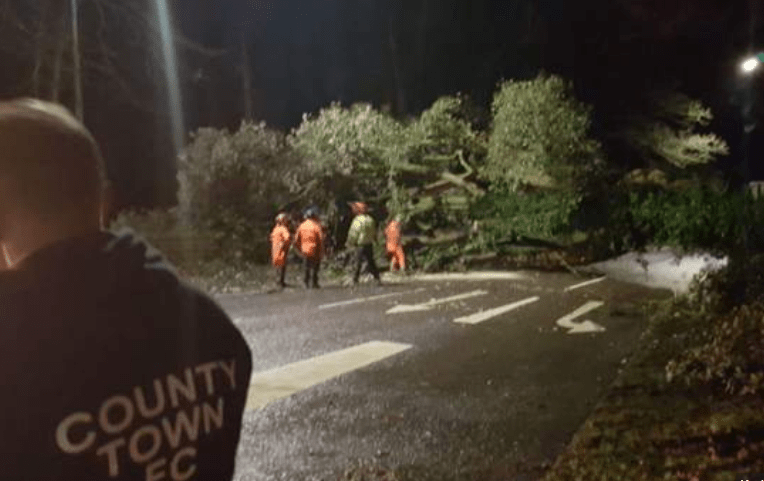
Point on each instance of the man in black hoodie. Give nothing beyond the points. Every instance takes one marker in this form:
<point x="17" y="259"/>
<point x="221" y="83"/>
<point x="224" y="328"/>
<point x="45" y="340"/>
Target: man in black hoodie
<point x="110" y="367"/>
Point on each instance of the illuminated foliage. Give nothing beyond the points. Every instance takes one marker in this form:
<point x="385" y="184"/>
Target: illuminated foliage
<point x="540" y="135"/>
<point x="668" y="132"/>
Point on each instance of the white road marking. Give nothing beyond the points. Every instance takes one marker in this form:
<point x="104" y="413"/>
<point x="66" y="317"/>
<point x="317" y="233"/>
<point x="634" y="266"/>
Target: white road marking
<point x="268" y="386"/>
<point x="426" y="306"/>
<point x="461" y="276"/>
<point x="366" y="299"/>
<point x="485" y="315"/>
<point x="581" y="327"/>
<point x="584" y="284"/>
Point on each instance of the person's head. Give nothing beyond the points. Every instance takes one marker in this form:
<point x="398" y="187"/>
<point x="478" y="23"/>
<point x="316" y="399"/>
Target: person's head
<point x="52" y="174"/>
<point x="282" y="219"/>
<point x="359" y="208"/>
<point x="311" y="213"/>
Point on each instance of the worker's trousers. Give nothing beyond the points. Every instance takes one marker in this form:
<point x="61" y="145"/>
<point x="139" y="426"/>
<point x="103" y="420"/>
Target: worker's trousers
<point x="365" y="252"/>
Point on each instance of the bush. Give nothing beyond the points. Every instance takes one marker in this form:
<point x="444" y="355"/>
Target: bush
<point x="235" y="184"/>
<point x="726" y="352"/>
<point x="694" y="218"/>
<point x="540" y="215"/>
<point x="732" y="361"/>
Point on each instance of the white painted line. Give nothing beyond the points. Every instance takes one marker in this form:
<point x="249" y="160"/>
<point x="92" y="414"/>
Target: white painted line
<point x="367" y="299"/>
<point x="584" y="284"/>
<point x="485" y="315"/>
<point x="426" y="306"/>
<point x="268" y="386"/>
<point x="468" y="276"/>
<point x="581" y="327"/>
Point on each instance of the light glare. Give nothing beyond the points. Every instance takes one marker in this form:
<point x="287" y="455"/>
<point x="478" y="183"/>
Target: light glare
<point x="750" y="64"/>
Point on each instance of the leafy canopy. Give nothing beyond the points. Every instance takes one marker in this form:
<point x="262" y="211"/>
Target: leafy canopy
<point x="667" y="132"/>
<point x="540" y="134"/>
<point x="348" y="141"/>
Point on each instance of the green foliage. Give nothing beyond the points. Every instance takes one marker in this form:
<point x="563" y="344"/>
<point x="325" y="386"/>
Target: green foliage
<point x="505" y="214"/>
<point x="434" y="186"/>
<point x="357" y="142"/>
<point x="695" y="218"/>
<point x="442" y="135"/>
<point x="689" y="218"/>
<point x="667" y="132"/>
<point x="732" y="360"/>
<point x="237" y="182"/>
<point x="540" y="135"/>
<point x="722" y="322"/>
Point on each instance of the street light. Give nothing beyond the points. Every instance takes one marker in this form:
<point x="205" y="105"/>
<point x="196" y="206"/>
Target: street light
<point x="752" y="63"/>
<point x="749" y="124"/>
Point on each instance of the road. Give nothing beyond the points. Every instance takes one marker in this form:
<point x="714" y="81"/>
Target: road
<point x="435" y="378"/>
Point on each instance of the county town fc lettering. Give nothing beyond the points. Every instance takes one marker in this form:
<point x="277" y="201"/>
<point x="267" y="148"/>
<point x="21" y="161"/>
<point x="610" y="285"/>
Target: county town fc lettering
<point x="143" y="426"/>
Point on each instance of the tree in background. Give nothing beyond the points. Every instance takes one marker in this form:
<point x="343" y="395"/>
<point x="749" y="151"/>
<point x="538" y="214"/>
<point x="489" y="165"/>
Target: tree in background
<point x="666" y="133"/>
<point x="540" y="135"/>
<point x="237" y="182"/>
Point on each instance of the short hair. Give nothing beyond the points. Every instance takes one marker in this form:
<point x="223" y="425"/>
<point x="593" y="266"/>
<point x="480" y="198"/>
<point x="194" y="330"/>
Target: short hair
<point x="50" y="158"/>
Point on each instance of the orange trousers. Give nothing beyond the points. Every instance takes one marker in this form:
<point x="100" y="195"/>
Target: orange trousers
<point x="397" y="258"/>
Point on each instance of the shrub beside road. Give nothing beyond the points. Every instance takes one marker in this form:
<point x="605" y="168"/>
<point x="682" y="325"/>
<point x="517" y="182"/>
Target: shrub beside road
<point x="688" y="404"/>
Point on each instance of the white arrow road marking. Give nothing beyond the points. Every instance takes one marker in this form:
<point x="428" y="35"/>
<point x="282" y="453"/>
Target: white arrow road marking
<point x="485" y="315"/>
<point x="366" y="299"/>
<point x="426" y="306"/>
<point x="584" y="284"/>
<point x="268" y="386"/>
<point x="581" y="327"/>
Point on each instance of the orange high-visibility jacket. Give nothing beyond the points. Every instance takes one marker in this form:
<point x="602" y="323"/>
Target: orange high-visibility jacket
<point x="280" y="241"/>
<point x="393" y="235"/>
<point x="310" y="239"/>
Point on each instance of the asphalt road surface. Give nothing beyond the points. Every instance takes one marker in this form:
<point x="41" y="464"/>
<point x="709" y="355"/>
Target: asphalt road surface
<point x="445" y="378"/>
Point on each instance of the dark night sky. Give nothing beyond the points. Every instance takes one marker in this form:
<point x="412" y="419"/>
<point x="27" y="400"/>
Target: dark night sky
<point x="307" y="53"/>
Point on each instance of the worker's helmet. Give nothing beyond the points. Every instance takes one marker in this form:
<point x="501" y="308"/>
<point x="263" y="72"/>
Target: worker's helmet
<point x="282" y="218"/>
<point x="311" y="212"/>
<point x="358" y="207"/>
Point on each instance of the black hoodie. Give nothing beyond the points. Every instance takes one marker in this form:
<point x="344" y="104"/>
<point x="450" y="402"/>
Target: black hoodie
<point x="111" y="368"/>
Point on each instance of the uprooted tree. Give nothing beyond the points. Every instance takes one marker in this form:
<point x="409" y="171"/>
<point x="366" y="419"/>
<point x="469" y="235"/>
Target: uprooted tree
<point x="541" y="159"/>
<point x="540" y="135"/>
<point x="421" y="169"/>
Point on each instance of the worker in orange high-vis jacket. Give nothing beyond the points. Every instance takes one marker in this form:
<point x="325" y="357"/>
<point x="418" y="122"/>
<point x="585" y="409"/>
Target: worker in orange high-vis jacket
<point x="309" y="241"/>
<point x="393" y="245"/>
<point x="281" y="239"/>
